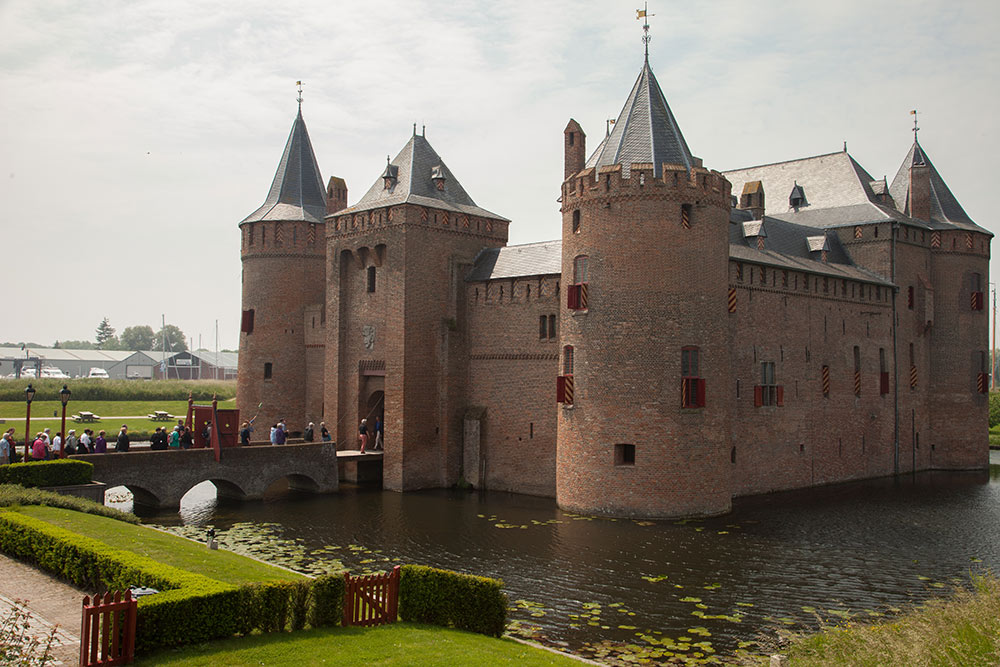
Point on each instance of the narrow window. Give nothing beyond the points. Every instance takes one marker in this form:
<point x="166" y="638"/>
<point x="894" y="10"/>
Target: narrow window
<point x="576" y="295"/>
<point x="768" y="392"/>
<point x="982" y="379"/>
<point x="267" y="370"/>
<point x="883" y="373"/>
<point x="542" y="328"/>
<point x="909" y="297"/>
<point x="565" y="382"/>
<point x="739" y="272"/>
<point x="624" y="455"/>
<point x="826" y="381"/>
<point x="976" y="300"/>
<point x="552" y="327"/>
<point x="692" y="384"/>
<point x="576" y="221"/>
<point x="857" y="370"/>
<point x="371" y="279"/>
<point x="568" y="360"/>
<point x="686" y="216"/>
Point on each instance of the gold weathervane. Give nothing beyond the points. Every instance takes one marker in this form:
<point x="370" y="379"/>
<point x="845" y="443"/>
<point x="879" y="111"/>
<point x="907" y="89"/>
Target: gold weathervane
<point x="299" y="98"/>
<point x="644" y="14"/>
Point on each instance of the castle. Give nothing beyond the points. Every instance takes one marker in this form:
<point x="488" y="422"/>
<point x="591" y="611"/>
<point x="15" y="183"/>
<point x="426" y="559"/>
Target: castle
<point x="693" y="337"/>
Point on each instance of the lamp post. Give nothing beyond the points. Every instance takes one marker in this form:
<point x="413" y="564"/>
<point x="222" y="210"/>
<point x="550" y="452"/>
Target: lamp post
<point x="64" y="397"/>
<point x="29" y="396"/>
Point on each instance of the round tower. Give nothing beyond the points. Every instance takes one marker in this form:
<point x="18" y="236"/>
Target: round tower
<point x="283" y="255"/>
<point x="644" y="416"/>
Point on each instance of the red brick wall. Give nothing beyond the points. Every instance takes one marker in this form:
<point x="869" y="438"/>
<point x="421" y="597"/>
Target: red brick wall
<point x="654" y="287"/>
<point x="512" y="373"/>
<point x="279" y="282"/>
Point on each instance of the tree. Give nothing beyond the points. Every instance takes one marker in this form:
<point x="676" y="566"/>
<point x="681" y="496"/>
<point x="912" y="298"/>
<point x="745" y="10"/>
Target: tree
<point x="105" y="333"/>
<point x="139" y="337"/>
<point x="176" y="341"/>
<point x="77" y="344"/>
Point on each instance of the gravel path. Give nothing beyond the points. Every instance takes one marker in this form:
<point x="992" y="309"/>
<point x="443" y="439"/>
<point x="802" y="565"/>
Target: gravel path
<point x="52" y="603"/>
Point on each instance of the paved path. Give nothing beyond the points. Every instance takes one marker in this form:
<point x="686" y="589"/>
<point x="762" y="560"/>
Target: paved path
<point x="52" y="603"/>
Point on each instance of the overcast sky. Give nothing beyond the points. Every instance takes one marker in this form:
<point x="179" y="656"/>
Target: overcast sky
<point x="136" y="135"/>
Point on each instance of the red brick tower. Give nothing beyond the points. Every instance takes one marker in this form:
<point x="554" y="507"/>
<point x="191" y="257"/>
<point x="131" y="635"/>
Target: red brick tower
<point x="282" y="250"/>
<point x="643" y="427"/>
<point x="394" y="342"/>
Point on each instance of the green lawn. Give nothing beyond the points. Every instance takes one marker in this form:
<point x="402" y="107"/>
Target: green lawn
<point x="397" y="644"/>
<point x="162" y="547"/>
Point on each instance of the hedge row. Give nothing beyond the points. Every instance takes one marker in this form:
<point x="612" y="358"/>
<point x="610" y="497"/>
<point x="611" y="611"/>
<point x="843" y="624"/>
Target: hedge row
<point x="118" y="390"/>
<point x="62" y="472"/>
<point x="13" y="494"/>
<point x="450" y="599"/>
<point x="190" y="608"/>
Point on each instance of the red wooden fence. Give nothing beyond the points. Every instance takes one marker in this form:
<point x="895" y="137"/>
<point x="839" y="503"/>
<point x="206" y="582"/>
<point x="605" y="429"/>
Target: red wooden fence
<point x="107" y="633"/>
<point x="371" y="600"/>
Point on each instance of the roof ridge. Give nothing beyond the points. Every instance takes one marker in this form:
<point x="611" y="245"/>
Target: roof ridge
<point x="773" y="164"/>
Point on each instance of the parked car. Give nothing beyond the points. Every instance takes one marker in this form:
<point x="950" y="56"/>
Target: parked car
<point x="53" y="372"/>
<point x="98" y="373"/>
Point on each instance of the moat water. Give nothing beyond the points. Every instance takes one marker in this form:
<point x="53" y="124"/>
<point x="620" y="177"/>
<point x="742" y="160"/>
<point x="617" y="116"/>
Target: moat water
<point x="617" y="588"/>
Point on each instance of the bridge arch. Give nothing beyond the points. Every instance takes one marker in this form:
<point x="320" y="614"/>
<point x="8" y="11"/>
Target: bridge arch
<point x="142" y="496"/>
<point x="226" y="489"/>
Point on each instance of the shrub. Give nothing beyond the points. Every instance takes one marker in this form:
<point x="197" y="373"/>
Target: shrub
<point x="451" y="599"/>
<point x="13" y="494"/>
<point x="190" y="608"/>
<point x="62" y="472"/>
<point x="326" y="603"/>
<point x="994" y="408"/>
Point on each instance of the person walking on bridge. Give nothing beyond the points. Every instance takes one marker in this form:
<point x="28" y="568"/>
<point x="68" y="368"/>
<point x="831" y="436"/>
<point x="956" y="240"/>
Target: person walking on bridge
<point x="101" y="444"/>
<point x="308" y="435"/>
<point x="122" y="443"/>
<point x="363" y="434"/>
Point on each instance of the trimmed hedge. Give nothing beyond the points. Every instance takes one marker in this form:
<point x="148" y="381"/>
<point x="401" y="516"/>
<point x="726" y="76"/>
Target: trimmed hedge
<point x="92" y="389"/>
<point x="13" y="494"/>
<point x="189" y="608"/>
<point x="61" y="472"/>
<point x="451" y="599"/>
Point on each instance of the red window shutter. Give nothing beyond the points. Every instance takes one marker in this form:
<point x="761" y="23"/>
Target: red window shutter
<point x="246" y="324"/>
<point x="700" y="397"/>
<point x="582" y="298"/>
<point x="909" y="297"/>
<point x="977" y="301"/>
<point x="758" y="396"/>
<point x="573" y="297"/>
<point x="780" y="395"/>
<point x="883" y="383"/>
<point x="561" y="389"/>
<point x="982" y="383"/>
<point x="568" y="390"/>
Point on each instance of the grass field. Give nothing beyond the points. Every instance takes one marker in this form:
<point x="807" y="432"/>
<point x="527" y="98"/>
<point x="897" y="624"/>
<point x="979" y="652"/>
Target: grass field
<point x="162" y="547"/>
<point x="398" y="644"/>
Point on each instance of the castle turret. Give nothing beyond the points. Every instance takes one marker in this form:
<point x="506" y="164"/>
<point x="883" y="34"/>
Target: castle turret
<point x="575" y="148"/>
<point x="643" y="424"/>
<point x="283" y="275"/>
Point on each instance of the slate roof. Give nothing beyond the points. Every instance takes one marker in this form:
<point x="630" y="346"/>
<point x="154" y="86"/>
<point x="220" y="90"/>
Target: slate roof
<point x="530" y="259"/>
<point x="645" y="132"/>
<point x="838" y="191"/>
<point x="945" y="209"/>
<point x="415" y="166"/>
<point x="297" y="191"/>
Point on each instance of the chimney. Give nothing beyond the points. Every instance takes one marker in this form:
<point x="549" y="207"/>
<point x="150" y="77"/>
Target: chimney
<point x="752" y="199"/>
<point x="575" y="149"/>
<point x="336" y="195"/>
<point x="919" y="204"/>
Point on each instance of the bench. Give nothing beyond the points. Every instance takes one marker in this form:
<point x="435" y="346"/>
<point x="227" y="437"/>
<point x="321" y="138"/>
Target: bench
<point x="160" y="416"/>
<point x="85" y="417"/>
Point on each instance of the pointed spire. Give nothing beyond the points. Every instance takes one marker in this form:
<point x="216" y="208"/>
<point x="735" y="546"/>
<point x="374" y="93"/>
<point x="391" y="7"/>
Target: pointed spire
<point x="934" y="198"/>
<point x="297" y="191"/>
<point x="646" y="131"/>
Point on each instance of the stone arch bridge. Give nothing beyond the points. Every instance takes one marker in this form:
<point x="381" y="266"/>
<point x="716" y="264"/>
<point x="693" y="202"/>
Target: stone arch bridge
<point x="160" y="478"/>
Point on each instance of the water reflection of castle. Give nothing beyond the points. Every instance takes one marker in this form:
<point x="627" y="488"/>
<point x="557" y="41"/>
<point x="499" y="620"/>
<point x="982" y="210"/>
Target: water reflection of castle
<point x="701" y="344"/>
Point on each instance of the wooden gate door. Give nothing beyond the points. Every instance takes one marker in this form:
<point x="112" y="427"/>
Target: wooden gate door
<point x="372" y="599"/>
<point x="107" y="631"/>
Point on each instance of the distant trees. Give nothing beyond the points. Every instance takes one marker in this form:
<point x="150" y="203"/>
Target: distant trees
<point x="176" y="341"/>
<point x="139" y="337"/>
<point x="105" y="334"/>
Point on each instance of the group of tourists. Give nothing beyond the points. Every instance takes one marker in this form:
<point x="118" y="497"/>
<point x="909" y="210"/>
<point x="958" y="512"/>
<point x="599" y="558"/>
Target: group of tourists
<point x="180" y="437"/>
<point x="309" y="435"/>
<point x="45" y="446"/>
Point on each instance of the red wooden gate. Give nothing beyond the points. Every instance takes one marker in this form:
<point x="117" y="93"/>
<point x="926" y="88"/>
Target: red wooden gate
<point x="371" y="600"/>
<point x="107" y="633"/>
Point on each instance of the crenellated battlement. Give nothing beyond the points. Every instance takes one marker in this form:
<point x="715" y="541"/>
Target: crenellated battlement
<point x="699" y="185"/>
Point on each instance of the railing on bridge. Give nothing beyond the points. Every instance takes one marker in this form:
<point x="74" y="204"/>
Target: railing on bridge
<point x="371" y="600"/>
<point x="107" y="631"/>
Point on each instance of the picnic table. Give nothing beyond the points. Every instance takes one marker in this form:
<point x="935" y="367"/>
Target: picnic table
<point x="160" y="416"/>
<point x="85" y="416"/>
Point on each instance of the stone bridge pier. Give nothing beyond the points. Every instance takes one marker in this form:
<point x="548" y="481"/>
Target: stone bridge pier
<point x="160" y="478"/>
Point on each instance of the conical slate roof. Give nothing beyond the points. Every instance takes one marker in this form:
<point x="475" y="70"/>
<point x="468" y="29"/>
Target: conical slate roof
<point x="646" y="131"/>
<point x="944" y="207"/>
<point x="413" y="177"/>
<point x="297" y="191"/>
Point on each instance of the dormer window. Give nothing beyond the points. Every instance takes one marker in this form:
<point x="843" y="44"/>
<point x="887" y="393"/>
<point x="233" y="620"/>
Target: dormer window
<point x="437" y="175"/>
<point x="797" y="198"/>
<point x="390" y="176"/>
